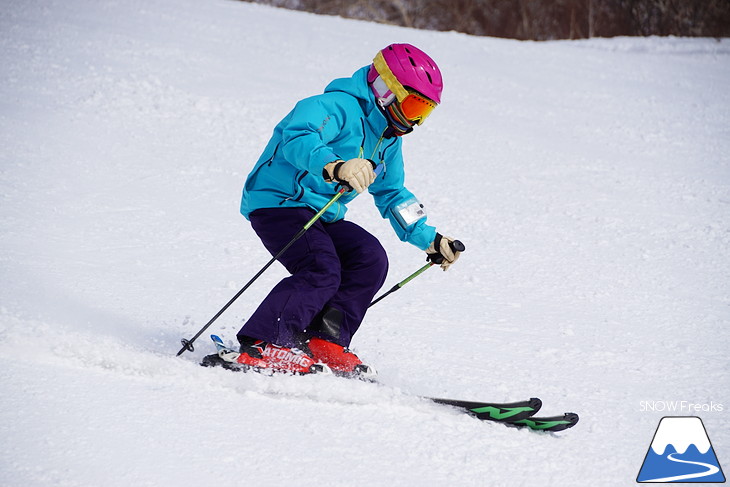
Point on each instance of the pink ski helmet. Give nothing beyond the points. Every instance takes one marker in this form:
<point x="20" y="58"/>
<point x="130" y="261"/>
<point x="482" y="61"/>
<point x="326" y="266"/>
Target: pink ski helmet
<point x="410" y="68"/>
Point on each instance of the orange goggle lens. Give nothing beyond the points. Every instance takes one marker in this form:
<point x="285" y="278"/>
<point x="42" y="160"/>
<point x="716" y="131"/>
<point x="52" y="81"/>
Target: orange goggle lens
<point x="416" y="107"/>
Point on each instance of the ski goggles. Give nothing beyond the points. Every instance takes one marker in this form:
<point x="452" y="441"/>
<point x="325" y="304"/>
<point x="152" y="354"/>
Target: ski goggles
<point x="416" y="107"/>
<point x="413" y="105"/>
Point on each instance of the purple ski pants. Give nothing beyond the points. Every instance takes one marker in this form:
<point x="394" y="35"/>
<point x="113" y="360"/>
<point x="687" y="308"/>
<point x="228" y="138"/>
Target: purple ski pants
<point x="336" y="269"/>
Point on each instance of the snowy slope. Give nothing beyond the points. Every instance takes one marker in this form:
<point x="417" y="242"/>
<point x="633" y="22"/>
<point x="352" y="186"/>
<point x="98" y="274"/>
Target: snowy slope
<point x="589" y="180"/>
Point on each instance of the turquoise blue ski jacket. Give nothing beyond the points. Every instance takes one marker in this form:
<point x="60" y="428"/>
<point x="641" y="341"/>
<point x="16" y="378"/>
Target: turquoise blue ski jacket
<point x="342" y="123"/>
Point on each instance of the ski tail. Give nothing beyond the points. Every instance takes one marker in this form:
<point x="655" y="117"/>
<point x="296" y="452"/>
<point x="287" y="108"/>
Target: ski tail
<point x="224" y="357"/>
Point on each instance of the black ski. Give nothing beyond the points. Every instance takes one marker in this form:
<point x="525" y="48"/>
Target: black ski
<point x="550" y="423"/>
<point x="500" y="412"/>
<point x="518" y="414"/>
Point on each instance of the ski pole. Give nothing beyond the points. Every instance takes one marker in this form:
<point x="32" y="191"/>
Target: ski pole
<point x="456" y="246"/>
<point x="188" y="344"/>
<point x="344" y="187"/>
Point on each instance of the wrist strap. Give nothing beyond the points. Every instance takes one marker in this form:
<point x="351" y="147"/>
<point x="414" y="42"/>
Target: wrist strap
<point x="336" y="171"/>
<point x="326" y="175"/>
<point x="436" y="257"/>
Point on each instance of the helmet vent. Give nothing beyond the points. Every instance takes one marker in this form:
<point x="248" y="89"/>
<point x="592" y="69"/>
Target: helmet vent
<point x="413" y="63"/>
<point x="429" y="77"/>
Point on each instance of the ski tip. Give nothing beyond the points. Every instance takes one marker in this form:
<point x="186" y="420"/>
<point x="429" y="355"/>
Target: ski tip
<point x="569" y="420"/>
<point x="552" y="423"/>
<point x="535" y="403"/>
<point x="216" y="339"/>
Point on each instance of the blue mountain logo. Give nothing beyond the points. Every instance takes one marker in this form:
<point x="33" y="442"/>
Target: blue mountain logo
<point x="681" y="452"/>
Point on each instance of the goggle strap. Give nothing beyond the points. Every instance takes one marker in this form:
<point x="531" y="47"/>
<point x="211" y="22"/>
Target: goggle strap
<point x="398" y="117"/>
<point x="390" y="80"/>
<point x="382" y="92"/>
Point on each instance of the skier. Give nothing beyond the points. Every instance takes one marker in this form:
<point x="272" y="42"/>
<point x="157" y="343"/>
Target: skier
<point x="340" y="137"/>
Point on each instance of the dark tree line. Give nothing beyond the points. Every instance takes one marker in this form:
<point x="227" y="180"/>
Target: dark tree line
<point x="536" y="19"/>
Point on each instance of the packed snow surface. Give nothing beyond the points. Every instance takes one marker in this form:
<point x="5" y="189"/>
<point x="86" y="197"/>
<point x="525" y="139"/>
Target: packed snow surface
<point x="589" y="180"/>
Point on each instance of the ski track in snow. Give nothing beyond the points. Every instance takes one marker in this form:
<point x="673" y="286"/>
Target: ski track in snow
<point x="589" y="180"/>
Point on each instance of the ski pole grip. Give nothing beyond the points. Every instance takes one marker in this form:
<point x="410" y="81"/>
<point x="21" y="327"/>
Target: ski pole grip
<point x="377" y="169"/>
<point x="457" y="246"/>
<point x="438" y="259"/>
